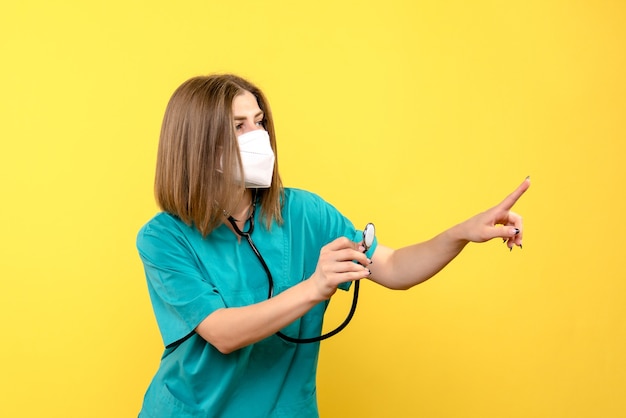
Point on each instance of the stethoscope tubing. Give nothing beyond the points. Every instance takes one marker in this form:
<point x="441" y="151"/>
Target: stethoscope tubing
<point x="248" y="236"/>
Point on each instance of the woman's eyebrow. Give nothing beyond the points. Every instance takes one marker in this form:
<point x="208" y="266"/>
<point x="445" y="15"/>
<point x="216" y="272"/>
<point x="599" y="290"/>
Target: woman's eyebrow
<point x="259" y="114"/>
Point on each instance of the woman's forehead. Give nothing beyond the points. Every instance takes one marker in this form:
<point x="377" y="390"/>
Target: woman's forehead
<point x="245" y="104"/>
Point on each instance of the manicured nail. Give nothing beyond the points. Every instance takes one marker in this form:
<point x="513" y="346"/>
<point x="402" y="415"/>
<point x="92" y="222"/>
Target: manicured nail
<point x="516" y="231"/>
<point x="527" y="177"/>
<point x="503" y="240"/>
<point x="510" y="249"/>
<point x="520" y="247"/>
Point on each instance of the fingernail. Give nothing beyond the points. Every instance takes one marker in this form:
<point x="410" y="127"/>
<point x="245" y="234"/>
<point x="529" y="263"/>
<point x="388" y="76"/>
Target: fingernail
<point x="368" y="272"/>
<point x="503" y="240"/>
<point x="510" y="249"/>
<point x="520" y="247"/>
<point x="527" y="177"/>
<point x="516" y="231"/>
<point x="370" y="261"/>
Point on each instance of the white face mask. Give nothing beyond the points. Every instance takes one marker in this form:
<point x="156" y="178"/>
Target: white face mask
<point x="257" y="158"/>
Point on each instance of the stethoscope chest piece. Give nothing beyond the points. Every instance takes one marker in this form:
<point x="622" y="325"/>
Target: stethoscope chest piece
<point x="369" y="232"/>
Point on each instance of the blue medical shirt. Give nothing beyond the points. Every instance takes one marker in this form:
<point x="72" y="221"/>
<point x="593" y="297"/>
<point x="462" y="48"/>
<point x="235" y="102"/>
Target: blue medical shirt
<point x="189" y="277"/>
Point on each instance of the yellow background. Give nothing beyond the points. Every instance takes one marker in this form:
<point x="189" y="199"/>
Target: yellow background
<point x="410" y="114"/>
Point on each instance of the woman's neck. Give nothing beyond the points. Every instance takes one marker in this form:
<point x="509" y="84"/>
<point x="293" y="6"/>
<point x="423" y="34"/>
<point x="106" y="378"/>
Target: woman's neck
<point x="244" y="207"/>
<point x="242" y="211"/>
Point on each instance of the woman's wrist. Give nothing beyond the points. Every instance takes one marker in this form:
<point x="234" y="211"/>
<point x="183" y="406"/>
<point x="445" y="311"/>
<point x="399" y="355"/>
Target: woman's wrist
<point x="458" y="236"/>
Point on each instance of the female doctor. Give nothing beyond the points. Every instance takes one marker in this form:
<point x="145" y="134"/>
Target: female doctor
<point x="239" y="267"/>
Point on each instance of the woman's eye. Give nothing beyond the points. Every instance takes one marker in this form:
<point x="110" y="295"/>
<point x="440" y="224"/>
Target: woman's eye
<point x="238" y="126"/>
<point x="260" y="123"/>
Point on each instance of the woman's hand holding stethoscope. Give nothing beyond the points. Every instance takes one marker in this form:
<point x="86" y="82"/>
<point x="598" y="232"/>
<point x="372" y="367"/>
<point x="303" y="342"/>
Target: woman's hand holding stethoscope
<point x="340" y="261"/>
<point x="337" y="265"/>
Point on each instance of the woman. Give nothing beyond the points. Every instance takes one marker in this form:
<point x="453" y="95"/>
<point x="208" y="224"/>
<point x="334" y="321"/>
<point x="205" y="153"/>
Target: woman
<point x="216" y="180"/>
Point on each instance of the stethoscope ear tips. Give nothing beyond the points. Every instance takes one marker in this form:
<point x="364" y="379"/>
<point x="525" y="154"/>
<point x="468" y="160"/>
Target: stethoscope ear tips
<point x="369" y="232"/>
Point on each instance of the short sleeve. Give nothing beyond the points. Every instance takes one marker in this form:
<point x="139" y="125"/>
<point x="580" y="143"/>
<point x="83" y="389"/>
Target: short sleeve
<point x="325" y="222"/>
<point x="180" y="294"/>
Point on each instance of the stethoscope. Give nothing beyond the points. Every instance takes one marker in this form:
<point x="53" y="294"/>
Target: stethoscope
<point x="368" y="239"/>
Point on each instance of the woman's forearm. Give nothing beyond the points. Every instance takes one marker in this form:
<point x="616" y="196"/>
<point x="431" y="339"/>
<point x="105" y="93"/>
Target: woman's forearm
<point x="230" y="329"/>
<point x="408" y="266"/>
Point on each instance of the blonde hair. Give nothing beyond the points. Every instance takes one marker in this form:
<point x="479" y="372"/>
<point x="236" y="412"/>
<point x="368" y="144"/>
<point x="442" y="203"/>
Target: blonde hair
<point x="198" y="153"/>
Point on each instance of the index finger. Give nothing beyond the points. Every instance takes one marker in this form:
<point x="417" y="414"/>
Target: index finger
<point x="344" y="249"/>
<point x="342" y="243"/>
<point x="511" y="199"/>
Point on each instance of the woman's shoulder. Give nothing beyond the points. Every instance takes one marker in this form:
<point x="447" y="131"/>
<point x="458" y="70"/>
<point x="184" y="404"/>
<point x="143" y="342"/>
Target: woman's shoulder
<point x="162" y="220"/>
<point x="299" y="202"/>
<point x="162" y="225"/>
<point x="295" y="195"/>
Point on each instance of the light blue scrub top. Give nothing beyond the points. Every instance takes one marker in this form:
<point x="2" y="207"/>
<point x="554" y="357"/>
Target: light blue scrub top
<point x="189" y="277"/>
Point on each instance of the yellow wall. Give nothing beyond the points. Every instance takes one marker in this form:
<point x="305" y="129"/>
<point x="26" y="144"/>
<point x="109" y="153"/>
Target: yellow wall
<point x="410" y="114"/>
